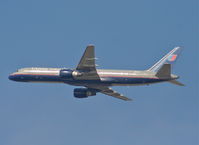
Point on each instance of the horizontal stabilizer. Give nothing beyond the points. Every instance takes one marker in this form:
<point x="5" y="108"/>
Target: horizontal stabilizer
<point x="175" y="82"/>
<point x="164" y="71"/>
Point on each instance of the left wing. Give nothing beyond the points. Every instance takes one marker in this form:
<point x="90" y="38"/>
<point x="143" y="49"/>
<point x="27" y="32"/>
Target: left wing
<point x="110" y="92"/>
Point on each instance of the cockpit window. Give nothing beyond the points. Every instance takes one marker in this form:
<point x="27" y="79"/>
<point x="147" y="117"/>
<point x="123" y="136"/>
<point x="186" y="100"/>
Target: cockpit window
<point x="21" y="70"/>
<point x="18" y="70"/>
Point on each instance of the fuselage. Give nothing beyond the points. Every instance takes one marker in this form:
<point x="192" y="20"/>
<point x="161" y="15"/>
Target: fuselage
<point x="107" y="77"/>
<point x="98" y="80"/>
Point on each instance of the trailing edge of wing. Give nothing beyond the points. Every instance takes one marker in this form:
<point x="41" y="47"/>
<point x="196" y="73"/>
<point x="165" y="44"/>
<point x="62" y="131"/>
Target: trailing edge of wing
<point x="110" y="92"/>
<point x="115" y="94"/>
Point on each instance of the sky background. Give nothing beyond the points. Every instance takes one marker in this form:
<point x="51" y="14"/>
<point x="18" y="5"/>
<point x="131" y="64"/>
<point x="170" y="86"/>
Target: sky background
<point x="128" y="34"/>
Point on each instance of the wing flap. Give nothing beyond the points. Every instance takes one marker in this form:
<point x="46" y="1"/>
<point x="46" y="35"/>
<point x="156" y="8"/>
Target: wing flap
<point x="110" y="92"/>
<point x="115" y="94"/>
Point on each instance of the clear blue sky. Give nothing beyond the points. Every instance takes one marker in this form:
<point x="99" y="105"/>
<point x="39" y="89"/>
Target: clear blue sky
<point x="128" y="34"/>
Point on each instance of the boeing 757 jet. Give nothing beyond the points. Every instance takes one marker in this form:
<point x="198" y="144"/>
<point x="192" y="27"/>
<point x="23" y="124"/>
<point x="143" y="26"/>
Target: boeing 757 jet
<point x="95" y="80"/>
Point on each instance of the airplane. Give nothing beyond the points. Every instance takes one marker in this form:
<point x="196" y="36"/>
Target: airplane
<point x="95" y="80"/>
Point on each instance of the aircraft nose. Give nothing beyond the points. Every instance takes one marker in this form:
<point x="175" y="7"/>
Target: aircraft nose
<point x="11" y="77"/>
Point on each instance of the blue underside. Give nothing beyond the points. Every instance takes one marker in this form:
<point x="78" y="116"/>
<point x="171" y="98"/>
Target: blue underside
<point x="108" y="81"/>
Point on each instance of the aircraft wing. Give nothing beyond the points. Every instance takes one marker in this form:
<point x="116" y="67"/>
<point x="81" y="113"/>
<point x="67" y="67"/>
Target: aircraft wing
<point x="87" y="64"/>
<point x="87" y="61"/>
<point x="110" y="92"/>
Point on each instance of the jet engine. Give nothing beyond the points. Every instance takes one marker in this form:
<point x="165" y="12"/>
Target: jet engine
<point x="66" y="73"/>
<point x="84" y="92"/>
<point x="69" y="74"/>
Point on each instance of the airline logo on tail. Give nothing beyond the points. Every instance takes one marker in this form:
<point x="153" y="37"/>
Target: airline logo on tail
<point x="172" y="57"/>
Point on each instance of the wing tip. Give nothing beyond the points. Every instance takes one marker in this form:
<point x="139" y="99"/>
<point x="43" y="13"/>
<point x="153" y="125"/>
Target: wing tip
<point x="128" y="99"/>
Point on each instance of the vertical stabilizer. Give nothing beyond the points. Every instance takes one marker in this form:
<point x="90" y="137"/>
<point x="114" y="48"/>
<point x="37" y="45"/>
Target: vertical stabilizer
<point x="170" y="58"/>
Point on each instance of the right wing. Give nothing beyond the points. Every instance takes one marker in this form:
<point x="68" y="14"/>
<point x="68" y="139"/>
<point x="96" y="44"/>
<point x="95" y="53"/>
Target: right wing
<point x="87" y="61"/>
<point x="87" y="65"/>
<point x="110" y="92"/>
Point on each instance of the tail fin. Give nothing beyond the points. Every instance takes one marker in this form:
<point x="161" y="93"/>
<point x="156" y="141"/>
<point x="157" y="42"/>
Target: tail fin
<point x="170" y="58"/>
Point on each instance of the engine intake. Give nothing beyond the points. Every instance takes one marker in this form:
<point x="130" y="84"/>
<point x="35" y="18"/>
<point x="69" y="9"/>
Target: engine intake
<point x="84" y="92"/>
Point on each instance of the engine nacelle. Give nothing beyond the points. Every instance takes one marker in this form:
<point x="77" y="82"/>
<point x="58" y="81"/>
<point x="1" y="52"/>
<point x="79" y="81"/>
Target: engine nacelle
<point x="69" y="74"/>
<point x="84" y="92"/>
<point x="66" y="73"/>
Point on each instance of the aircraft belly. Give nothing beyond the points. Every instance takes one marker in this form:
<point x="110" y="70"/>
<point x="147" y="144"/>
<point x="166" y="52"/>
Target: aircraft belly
<point x="107" y="81"/>
<point x="129" y="81"/>
<point x="38" y="78"/>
